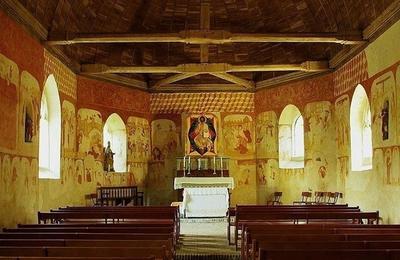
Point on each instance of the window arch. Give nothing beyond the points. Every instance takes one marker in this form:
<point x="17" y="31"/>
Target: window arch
<point x="291" y="138"/>
<point x="50" y="131"/>
<point x="360" y="131"/>
<point x="115" y="132"/>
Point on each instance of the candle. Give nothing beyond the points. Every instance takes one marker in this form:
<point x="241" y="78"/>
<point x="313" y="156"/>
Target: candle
<point x="198" y="164"/>
<point x="189" y="165"/>
<point x="214" y="164"/>
<point x="221" y="164"/>
<point x="184" y="163"/>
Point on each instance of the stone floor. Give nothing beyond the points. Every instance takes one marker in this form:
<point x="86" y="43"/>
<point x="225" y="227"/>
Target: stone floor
<point x="205" y="237"/>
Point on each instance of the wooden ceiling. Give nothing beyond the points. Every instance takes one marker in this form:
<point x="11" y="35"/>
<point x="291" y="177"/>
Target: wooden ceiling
<point x="65" y="20"/>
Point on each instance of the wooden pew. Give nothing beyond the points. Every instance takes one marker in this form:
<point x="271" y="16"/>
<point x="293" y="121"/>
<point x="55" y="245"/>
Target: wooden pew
<point x="61" y="229"/>
<point x="231" y="212"/>
<point x="371" y="217"/>
<point x="313" y="235"/>
<point x="95" y="236"/>
<point x="328" y="254"/>
<point x="159" y="252"/>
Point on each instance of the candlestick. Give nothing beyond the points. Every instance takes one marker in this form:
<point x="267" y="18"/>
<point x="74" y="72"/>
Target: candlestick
<point x="189" y="165"/>
<point x="222" y="170"/>
<point x="198" y="164"/>
<point x="214" y="166"/>
<point x="184" y="165"/>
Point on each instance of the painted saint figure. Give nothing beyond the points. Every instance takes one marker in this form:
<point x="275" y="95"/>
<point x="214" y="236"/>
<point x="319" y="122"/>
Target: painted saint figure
<point x="28" y="128"/>
<point x="108" y="158"/>
<point x="202" y="135"/>
<point x="385" y="120"/>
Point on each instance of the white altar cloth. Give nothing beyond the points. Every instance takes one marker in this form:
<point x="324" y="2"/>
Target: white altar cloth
<point x="205" y="196"/>
<point x="205" y="202"/>
<point x="204" y="182"/>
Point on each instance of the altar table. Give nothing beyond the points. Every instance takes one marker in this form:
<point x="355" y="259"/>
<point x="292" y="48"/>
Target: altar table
<point x="203" y="196"/>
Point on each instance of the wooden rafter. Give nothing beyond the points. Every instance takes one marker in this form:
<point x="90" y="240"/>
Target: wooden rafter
<point x="173" y="79"/>
<point x="205" y="68"/>
<point x="208" y="37"/>
<point x="234" y="79"/>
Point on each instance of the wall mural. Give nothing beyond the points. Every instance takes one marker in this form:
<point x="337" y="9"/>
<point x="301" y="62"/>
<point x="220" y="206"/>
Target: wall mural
<point x="162" y="166"/>
<point x="202" y="135"/>
<point x="68" y="127"/>
<point x="239" y="136"/>
<point x="267" y="135"/>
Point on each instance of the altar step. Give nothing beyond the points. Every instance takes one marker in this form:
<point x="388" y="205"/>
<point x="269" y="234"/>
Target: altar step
<point x="205" y="247"/>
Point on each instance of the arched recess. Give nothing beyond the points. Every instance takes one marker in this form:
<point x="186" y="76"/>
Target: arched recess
<point x="360" y="131"/>
<point x="50" y="131"/>
<point x="115" y="132"/>
<point x="291" y="138"/>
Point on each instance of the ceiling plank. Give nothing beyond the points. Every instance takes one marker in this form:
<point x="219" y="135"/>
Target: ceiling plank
<point x="234" y="79"/>
<point x="206" y="37"/>
<point x="204" y="25"/>
<point x="205" y="68"/>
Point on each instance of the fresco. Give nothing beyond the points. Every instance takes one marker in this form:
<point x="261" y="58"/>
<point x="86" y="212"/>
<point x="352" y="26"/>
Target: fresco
<point x="383" y="109"/>
<point x="9" y="86"/>
<point x="202" y="135"/>
<point x="238" y="136"/>
<point x="267" y="135"/>
<point x="320" y="148"/>
<point x="245" y="178"/>
<point x="162" y="166"/>
<point x="139" y="150"/>
<point x="68" y="128"/>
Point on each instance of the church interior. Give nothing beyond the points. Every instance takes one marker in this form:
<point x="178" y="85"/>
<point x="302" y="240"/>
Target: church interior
<point x="226" y="110"/>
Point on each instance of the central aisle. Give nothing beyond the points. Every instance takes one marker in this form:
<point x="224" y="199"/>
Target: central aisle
<point x="205" y="239"/>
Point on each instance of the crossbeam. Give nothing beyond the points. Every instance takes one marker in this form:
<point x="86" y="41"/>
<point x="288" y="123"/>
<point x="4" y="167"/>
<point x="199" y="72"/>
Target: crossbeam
<point x="205" y="68"/>
<point x="234" y="79"/>
<point x="205" y="36"/>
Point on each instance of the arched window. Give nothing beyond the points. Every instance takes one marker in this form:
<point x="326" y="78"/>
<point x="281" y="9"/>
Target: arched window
<point x="298" y="138"/>
<point x="291" y="138"/>
<point x="50" y="131"/>
<point x="114" y="133"/>
<point x="360" y="129"/>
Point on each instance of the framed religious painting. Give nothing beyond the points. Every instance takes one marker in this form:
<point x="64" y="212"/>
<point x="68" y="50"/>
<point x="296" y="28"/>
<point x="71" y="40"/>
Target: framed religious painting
<point x="202" y="135"/>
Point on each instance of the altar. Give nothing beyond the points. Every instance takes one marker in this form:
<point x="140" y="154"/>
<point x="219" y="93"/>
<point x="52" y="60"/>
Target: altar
<point x="204" y="196"/>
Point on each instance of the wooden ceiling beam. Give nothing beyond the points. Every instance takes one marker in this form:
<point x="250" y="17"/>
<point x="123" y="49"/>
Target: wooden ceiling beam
<point x="205" y="68"/>
<point x="173" y="79"/>
<point x="207" y="36"/>
<point x="234" y="79"/>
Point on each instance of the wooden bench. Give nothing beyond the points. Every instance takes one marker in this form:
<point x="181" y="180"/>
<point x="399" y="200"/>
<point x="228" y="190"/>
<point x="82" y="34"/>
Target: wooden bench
<point x="306" y="216"/>
<point x="159" y="252"/>
<point x="328" y="254"/>
<point x="292" y="234"/>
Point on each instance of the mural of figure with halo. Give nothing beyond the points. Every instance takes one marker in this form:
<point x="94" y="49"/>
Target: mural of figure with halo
<point x="202" y="135"/>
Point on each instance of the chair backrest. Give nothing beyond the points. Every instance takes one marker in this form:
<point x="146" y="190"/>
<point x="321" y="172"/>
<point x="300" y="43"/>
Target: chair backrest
<point x="320" y="196"/>
<point x="277" y="196"/>
<point x="305" y="195"/>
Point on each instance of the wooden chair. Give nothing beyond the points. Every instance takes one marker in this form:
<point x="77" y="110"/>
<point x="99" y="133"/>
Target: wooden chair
<point x="276" y="200"/>
<point x="320" y="197"/>
<point x="305" y="198"/>
<point x="333" y="197"/>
